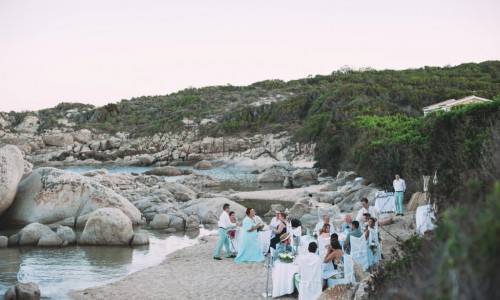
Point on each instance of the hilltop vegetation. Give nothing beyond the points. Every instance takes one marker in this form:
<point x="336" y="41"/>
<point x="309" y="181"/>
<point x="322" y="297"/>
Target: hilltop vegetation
<point x="365" y="120"/>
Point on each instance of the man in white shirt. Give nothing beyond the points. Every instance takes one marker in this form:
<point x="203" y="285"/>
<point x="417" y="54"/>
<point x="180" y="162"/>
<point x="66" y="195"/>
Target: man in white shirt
<point x="366" y="208"/>
<point x="310" y="271"/>
<point x="326" y="220"/>
<point x="399" y="192"/>
<point x="224" y="224"/>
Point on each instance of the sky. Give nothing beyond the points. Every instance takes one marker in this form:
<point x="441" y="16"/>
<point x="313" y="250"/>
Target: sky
<point x="103" y="51"/>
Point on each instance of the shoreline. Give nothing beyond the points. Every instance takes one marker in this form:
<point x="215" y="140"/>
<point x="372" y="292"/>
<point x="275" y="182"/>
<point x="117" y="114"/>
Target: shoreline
<point x="188" y="273"/>
<point x="289" y="195"/>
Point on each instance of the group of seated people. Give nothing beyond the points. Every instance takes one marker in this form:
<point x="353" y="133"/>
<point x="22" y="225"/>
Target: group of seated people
<point x="330" y="256"/>
<point x="327" y="251"/>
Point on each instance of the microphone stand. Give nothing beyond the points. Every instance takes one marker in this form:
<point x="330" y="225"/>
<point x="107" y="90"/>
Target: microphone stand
<point x="269" y="265"/>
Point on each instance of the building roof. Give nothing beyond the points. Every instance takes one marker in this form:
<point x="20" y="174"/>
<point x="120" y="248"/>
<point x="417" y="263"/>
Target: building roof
<point x="447" y="104"/>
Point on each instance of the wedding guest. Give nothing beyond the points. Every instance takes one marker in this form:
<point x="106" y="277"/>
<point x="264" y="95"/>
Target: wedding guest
<point x="355" y="233"/>
<point x="333" y="250"/>
<point x="249" y="250"/>
<point x="366" y="208"/>
<point x="364" y="221"/>
<point x="325" y="231"/>
<point x="372" y="230"/>
<point x="279" y="231"/>
<point x="224" y="223"/>
<point x="333" y="255"/>
<point x="326" y="220"/>
<point x="399" y="192"/>
<point x="283" y="246"/>
<point x="347" y="225"/>
<point x="309" y="274"/>
<point x="232" y="217"/>
<point x="275" y="222"/>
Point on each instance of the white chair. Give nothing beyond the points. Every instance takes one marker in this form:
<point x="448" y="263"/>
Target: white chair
<point x="296" y="234"/>
<point x="271" y="252"/>
<point x="348" y="273"/>
<point x="310" y="271"/>
<point x="322" y="242"/>
<point x="424" y="217"/>
<point x="373" y="258"/>
<point x="359" y="251"/>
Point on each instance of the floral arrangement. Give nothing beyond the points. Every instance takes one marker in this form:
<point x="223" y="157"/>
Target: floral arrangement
<point x="373" y="247"/>
<point x="286" y="256"/>
<point x="231" y="231"/>
<point x="261" y="228"/>
<point x="314" y="235"/>
<point x="340" y="269"/>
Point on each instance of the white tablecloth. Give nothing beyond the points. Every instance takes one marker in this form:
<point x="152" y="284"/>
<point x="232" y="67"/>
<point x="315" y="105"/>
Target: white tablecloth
<point x="283" y="278"/>
<point x="424" y="217"/>
<point x="264" y="237"/>
<point x="385" y="204"/>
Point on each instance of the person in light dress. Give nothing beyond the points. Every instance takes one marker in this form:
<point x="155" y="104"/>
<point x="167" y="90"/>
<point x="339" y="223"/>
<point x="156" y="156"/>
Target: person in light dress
<point x="249" y="250"/>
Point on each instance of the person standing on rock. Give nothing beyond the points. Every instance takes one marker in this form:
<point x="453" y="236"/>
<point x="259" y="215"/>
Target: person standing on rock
<point x="224" y="224"/>
<point x="399" y="192"/>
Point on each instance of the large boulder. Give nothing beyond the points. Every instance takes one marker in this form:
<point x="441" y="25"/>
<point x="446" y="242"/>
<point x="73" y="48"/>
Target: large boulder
<point x="31" y="235"/>
<point x="208" y="206"/>
<point x="83" y="136"/>
<point x="58" y="197"/>
<point x="60" y="139"/>
<point x="66" y="234"/>
<point x="141" y="238"/>
<point x="30" y="124"/>
<point x="24" y="291"/>
<point x="273" y="175"/>
<point x="168" y="171"/>
<point x="192" y="222"/>
<point x="107" y="226"/>
<point x="4" y="241"/>
<point x="203" y="165"/>
<point x="11" y="172"/>
<point x="160" y="221"/>
<point x="302" y="177"/>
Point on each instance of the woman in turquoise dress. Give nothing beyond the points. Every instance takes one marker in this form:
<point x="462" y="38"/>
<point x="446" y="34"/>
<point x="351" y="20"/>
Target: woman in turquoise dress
<point x="249" y="250"/>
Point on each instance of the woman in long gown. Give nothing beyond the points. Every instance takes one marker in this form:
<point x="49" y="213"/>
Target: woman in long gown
<point x="249" y="250"/>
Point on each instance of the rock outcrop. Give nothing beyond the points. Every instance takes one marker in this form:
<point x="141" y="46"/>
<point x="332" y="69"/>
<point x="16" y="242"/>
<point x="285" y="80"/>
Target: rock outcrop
<point x="58" y="197"/>
<point x="107" y="226"/>
<point x="32" y="234"/>
<point x="141" y="238"/>
<point x="11" y="171"/>
<point x="24" y="291"/>
<point x="203" y="206"/>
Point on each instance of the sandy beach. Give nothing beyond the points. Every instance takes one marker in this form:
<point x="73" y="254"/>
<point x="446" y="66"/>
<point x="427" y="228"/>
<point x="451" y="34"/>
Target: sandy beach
<point x="190" y="273"/>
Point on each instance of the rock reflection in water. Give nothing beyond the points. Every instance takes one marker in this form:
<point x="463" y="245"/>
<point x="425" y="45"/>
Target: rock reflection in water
<point x="99" y="256"/>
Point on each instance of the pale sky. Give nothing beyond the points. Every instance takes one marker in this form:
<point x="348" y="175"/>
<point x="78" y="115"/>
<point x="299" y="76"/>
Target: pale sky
<point x="100" y="51"/>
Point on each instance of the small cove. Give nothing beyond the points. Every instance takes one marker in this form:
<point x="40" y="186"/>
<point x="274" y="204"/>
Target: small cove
<point x="59" y="270"/>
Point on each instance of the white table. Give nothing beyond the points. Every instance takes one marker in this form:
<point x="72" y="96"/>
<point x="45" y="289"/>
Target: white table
<point x="385" y="204"/>
<point x="264" y="237"/>
<point x="424" y="217"/>
<point x="283" y="282"/>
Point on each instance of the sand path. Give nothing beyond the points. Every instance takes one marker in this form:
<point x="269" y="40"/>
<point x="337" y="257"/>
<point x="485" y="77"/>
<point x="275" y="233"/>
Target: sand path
<point x="190" y="273"/>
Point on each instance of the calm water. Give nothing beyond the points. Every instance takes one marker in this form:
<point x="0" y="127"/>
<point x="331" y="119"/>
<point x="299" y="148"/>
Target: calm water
<point x="59" y="270"/>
